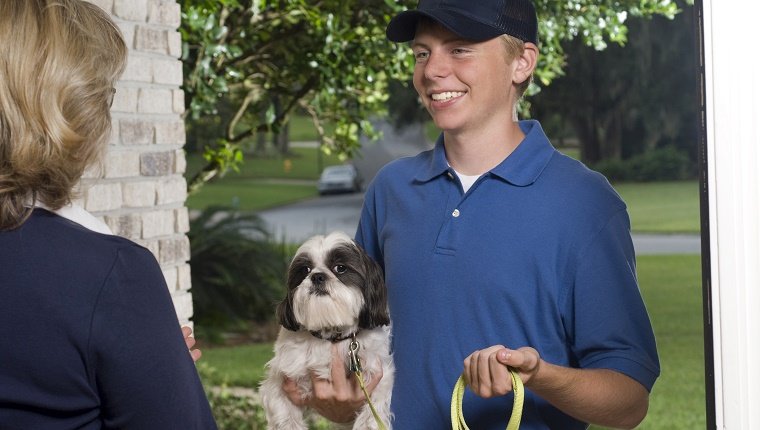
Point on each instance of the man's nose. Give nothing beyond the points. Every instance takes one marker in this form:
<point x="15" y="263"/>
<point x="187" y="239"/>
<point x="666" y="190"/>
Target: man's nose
<point x="437" y="66"/>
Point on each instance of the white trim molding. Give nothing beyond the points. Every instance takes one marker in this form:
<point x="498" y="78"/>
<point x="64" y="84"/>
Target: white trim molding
<point x="732" y="107"/>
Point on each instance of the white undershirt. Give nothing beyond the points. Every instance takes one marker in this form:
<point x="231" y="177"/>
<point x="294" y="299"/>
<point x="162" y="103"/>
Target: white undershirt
<point x="466" y="180"/>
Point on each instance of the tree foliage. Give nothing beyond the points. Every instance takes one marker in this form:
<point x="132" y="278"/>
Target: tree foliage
<point x="249" y="64"/>
<point x="627" y="100"/>
<point x="265" y="58"/>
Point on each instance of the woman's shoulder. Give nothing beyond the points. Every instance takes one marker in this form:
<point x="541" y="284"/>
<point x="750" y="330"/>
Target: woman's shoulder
<point x="57" y="238"/>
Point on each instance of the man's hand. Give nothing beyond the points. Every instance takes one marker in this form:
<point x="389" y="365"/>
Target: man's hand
<point x="339" y="398"/>
<point x="486" y="373"/>
<point x="597" y="396"/>
<point x="187" y="332"/>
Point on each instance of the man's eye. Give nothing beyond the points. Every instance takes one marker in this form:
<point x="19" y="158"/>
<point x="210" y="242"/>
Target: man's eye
<point x="420" y="56"/>
<point x="339" y="269"/>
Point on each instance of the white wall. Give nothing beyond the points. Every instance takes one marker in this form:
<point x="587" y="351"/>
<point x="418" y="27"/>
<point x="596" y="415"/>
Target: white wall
<point x="732" y="32"/>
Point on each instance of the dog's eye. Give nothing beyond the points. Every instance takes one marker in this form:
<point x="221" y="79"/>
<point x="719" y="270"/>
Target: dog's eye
<point x="305" y="270"/>
<point x="339" y="269"/>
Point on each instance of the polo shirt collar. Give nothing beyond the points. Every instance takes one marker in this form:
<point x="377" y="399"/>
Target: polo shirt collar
<point x="521" y="168"/>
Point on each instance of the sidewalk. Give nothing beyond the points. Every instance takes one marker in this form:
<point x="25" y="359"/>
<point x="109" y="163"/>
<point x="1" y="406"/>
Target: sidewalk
<point x="298" y="221"/>
<point x="648" y="244"/>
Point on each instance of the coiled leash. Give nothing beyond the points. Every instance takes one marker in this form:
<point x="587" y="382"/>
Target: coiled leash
<point x="457" y="417"/>
<point x="355" y="365"/>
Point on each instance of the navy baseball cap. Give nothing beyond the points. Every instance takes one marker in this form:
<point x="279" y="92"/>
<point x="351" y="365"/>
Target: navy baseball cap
<point x="476" y="20"/>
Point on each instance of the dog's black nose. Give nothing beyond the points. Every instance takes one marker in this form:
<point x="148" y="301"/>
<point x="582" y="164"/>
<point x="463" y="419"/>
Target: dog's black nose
<point x="318" y="284"/>
<point x="318" y="279"/>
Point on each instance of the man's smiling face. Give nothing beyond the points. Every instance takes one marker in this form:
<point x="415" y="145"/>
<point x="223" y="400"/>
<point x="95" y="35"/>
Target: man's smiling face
<point x="463" y="84"/>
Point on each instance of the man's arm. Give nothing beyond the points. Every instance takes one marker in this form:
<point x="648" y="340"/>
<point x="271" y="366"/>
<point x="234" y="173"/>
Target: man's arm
<point x="599" y="396"/>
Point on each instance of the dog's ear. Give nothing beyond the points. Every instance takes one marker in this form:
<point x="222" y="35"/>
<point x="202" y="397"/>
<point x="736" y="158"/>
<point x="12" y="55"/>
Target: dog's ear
<point x="285" y="315"/>
<point x="375" y="311"/>
<point x="296" y="274"/>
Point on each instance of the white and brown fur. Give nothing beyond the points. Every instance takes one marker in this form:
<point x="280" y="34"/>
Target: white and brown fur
<point x="334" y="290"/>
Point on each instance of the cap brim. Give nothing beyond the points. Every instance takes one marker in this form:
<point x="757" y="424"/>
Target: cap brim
<point x="403" y="26"/>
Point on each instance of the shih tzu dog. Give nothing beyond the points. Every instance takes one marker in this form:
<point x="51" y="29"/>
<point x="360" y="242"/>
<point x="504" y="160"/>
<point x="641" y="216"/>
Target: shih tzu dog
<point x="336" y="295"/>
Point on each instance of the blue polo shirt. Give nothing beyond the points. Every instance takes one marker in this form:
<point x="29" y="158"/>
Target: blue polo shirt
<point x="537" y="253"/>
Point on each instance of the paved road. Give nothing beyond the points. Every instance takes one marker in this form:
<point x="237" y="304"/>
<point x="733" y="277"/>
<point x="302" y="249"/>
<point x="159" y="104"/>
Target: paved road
<point x="647" y="244"/>
<point x="297" y="222"/>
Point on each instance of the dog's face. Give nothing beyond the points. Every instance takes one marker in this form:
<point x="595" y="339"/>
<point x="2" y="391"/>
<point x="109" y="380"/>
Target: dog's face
<point x="333" y="286"/>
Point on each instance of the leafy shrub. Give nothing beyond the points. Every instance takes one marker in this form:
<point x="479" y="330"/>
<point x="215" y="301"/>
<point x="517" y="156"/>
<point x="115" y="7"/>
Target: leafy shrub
<point x="241" y="409"/>
<point x="661" y="164"/>
<point x="233" y="412"/>
<point x="237" y="270"/>
<point x="613" y="170"/>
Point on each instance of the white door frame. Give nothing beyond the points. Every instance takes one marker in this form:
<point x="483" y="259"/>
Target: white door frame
<point x="731" y="98"/>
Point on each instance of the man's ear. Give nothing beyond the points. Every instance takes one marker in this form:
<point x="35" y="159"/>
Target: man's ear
<point x="525" y="64"/>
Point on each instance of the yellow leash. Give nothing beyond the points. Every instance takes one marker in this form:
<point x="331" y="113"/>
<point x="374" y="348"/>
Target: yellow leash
<point x="356" y="366"/>
<point x="457" y="416"/>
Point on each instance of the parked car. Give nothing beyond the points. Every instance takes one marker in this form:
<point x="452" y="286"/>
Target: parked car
<point x="336" y="179"/>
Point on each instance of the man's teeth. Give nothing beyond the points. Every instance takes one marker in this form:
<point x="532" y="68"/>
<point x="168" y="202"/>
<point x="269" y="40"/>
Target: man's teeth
<point x="447" y="95"/>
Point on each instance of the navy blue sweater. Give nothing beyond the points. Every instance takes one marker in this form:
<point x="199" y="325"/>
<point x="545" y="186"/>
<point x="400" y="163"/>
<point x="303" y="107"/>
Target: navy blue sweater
<point x="89" y="338"/>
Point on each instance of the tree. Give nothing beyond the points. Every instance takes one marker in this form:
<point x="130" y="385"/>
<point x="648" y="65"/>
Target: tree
<point x="327" y="57"/>
<point x="331" y="58"/>
<point x="623" y="101"/>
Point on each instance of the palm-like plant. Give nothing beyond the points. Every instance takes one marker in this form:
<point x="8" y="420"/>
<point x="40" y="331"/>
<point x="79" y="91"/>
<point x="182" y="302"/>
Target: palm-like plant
<point x="237" y="269"/>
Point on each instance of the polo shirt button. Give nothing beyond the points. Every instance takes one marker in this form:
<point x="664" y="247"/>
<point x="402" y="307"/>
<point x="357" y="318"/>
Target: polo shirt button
<point x="456" y="213"/>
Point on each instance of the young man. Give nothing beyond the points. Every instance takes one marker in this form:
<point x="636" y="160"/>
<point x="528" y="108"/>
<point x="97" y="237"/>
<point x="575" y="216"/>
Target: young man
<point x="497" y="249"/>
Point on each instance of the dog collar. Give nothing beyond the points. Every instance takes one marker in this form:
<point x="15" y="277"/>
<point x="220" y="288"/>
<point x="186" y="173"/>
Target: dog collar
<point x="335" y="337"/>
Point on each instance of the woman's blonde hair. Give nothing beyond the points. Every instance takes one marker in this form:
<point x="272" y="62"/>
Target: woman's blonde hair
<point x="59" y="60"/>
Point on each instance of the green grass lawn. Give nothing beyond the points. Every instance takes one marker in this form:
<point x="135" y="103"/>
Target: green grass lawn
<point x="238" y="366"/>
<point x="262" y="182"/>
<point x="250" y="194"/>
<point x="671" y="286"/>
<point x="303" y="163"/>
<point x="672" y="290"/>
<point x="658" y="207"/>
<point x="662" y="207"/>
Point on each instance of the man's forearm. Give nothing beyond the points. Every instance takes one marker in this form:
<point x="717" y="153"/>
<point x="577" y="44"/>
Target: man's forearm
<point x="599" y="396"/>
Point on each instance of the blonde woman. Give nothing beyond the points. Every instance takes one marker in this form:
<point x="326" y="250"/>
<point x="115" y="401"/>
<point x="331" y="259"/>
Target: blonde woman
<point x="88" y="335"/>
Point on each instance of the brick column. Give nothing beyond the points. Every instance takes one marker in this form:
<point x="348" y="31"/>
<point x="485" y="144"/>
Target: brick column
<point x="140" y="190"/>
